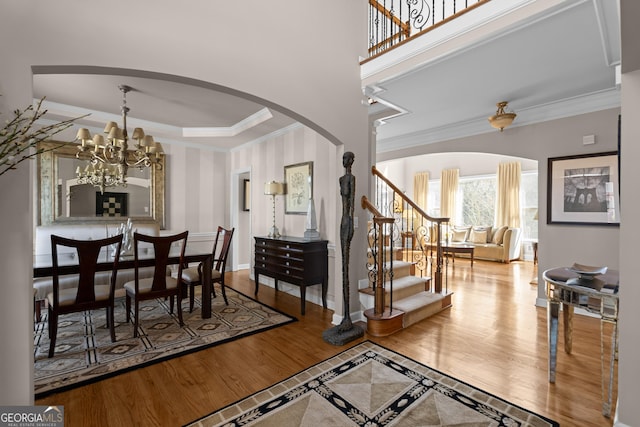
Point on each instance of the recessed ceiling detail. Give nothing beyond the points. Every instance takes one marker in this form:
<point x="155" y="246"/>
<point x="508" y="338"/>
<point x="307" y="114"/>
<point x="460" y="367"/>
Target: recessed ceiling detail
<point x="247" y="123"/>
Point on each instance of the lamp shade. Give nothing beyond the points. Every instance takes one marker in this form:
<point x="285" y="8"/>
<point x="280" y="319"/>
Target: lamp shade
<point x="83" y="134"/>
<point x="501" y="119"/>
<point x="138" y="134"/>
<point x="274" y="188"/>
<point x="109" y="126"/>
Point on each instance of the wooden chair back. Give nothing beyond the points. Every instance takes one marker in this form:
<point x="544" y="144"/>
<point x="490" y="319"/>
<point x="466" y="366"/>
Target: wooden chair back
<point x="87" y="252"/>
<point x="220" y="259"/>
<point x="162" y="246"/>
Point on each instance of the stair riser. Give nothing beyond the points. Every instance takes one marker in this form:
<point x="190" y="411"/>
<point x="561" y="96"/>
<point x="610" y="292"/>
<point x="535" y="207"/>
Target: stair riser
<point x="415" y="316"/>
<point x="407" y="292"/>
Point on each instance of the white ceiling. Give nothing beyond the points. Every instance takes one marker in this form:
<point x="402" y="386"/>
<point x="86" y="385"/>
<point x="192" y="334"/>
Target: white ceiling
<point x="548" y="58"/>
<point x="174" y="113"/>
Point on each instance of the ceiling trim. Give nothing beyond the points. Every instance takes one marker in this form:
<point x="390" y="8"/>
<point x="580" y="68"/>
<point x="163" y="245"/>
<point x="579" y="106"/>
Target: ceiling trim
<point x="268" y="136"/>
<point x="253" y="120"/>
<point x="611" y="57"/>
<point x="602" y="100"/>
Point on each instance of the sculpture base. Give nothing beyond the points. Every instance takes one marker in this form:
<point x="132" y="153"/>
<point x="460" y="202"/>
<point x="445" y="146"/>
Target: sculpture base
<point x="338" y="335"/>
<point x="311" y="235"/>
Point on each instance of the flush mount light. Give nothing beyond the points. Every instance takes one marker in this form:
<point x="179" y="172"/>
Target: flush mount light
<point x="501" y="119"/>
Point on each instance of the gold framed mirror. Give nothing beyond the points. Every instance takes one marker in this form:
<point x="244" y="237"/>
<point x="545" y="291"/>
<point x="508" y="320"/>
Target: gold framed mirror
<point x="62" y="199"/>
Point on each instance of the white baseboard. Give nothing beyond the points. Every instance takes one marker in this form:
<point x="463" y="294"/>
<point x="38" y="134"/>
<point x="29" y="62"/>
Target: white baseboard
<point x="357" y="316"/>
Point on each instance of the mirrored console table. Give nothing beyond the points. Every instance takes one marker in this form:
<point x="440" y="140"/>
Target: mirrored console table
<point x="564" y="288"/>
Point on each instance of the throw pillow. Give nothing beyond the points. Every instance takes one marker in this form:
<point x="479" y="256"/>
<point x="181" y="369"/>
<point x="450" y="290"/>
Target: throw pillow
<point x="459" y="236"/>
<point x="478" y="236"/>
<point x="488" y="230"/>
<point x="498" y="236"/>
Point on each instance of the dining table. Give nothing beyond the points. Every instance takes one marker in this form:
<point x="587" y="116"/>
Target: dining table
<point x="42" y="266"/>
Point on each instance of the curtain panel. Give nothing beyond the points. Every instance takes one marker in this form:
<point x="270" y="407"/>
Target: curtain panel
<point x="508" y="197"/>
<point x="421" y="189"/>
<point x="448" y="192"/>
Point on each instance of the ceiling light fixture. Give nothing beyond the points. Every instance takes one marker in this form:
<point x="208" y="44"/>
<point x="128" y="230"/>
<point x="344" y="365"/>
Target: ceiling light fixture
<point x="110" y="160"/>
<point x="501" y="119"/>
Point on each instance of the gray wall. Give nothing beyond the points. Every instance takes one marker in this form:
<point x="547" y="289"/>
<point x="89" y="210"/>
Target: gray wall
<point x="558" y="244"/>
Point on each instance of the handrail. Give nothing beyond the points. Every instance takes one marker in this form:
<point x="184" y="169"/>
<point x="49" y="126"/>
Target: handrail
<point x="410" y="202"/>
<point x="387" y="14"/>
<point x="366" y="204"/>
<point x="435" y="245"/>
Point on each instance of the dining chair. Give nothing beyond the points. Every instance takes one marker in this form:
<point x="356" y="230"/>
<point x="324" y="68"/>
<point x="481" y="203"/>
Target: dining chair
<point x="161" y="285"/>
<point x="192" y="276"/>
<point x="87" y="295"/>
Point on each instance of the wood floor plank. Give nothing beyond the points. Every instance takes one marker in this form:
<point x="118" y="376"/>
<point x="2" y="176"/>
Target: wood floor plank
<point x="493" y="337"/>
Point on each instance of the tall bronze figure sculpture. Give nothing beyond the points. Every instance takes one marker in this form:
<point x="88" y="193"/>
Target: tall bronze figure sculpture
<point x="346" y="331"/>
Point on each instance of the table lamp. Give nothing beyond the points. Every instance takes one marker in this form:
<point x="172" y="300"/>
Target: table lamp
<point x="274" y="189"/>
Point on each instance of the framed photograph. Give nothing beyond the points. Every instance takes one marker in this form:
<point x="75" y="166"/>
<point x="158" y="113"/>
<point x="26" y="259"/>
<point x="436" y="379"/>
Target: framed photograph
<point x="246" y="195"/>
<point x="111" y="204"/>
<point x="584" y="189"/>
<point x="299" y="180"/>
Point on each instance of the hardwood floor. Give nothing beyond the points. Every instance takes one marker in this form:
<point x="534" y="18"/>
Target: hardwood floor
<point x="494" y="337"/>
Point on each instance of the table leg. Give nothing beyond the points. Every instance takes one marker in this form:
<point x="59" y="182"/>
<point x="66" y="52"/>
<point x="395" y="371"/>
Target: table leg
<point x="207" y="265"/>
<point x="257" y="280"/>
<point x="567" y="315"/>
<point x="471" y="258"/>
<point x="553" y="309"/>
<point x="324" y="293"/>
<point x="607" y="395"/>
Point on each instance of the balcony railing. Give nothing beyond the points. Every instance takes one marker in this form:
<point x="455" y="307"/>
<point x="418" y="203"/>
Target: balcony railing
<point x="392" y="22"/>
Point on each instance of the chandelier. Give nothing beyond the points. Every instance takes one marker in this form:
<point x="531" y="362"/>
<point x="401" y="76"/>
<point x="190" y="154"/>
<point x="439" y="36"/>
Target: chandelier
<point x="110" y="158"/>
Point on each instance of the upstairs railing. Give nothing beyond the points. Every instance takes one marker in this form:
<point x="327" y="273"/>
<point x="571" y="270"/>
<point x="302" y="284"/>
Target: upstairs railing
<point x="393" y="21"/>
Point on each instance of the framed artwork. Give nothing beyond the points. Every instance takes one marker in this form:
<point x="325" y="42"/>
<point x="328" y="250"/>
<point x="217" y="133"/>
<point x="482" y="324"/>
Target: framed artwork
<point x="299" y="180"/>
<point x="246" y="192"/>
<point x="111" y="204"/>
<point x="584" y="189"/>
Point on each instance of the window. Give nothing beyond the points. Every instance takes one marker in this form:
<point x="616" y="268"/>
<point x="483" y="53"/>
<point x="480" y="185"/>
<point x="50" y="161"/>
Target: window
<point x="477" y="201"/>
<point x="433" y="198"/>
<point x="476" y="204"/>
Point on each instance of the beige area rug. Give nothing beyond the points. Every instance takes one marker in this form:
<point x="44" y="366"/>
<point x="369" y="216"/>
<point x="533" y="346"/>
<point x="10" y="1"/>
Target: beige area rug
<point x="84" y="351"/>
<point x="369" y="385"/>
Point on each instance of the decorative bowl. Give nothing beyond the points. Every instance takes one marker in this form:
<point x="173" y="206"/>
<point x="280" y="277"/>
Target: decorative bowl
<point x="587" y="271"/>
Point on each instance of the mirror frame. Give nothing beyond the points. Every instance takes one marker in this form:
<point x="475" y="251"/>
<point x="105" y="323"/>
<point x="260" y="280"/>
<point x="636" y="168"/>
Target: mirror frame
<point x="48" y="176"/>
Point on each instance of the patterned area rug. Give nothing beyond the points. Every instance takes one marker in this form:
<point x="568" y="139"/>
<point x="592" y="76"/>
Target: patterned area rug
<point x="84" y="352"/>
<point x="369" y="385"/>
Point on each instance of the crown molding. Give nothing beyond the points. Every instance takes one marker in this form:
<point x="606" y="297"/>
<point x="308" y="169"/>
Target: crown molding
<point x="597" y="101"/>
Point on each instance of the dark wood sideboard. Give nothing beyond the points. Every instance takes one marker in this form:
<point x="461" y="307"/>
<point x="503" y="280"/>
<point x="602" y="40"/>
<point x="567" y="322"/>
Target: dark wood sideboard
<point x="293" y="260"/>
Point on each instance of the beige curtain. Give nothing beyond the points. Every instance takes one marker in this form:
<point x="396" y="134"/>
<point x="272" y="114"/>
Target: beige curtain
<point x="508" y="197"/>
<point x="448" y="193"/>
<point x="420" y="189"/>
